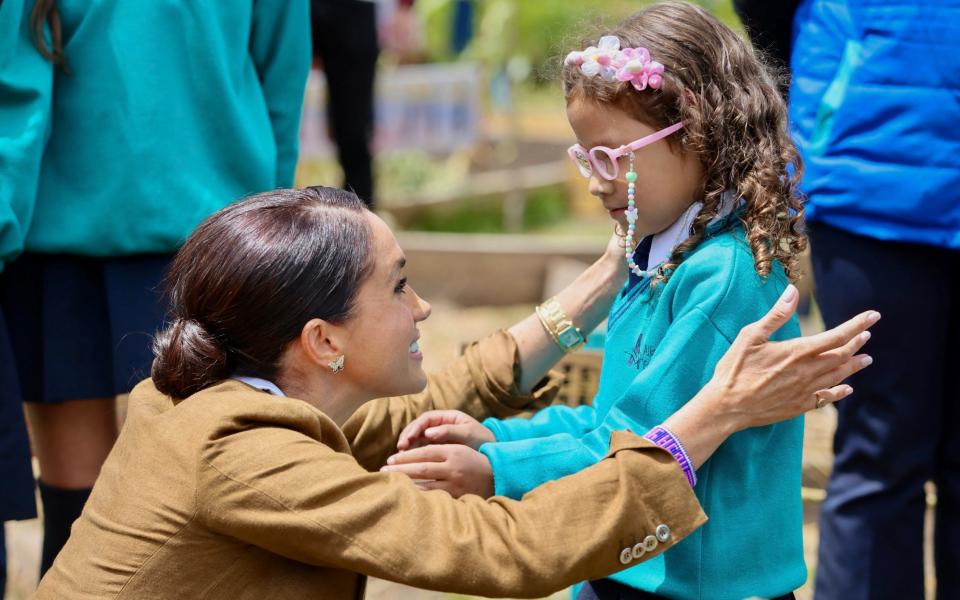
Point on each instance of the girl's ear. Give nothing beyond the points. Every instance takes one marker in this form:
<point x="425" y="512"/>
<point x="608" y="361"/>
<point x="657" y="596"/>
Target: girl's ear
<point x="322" y="342"/>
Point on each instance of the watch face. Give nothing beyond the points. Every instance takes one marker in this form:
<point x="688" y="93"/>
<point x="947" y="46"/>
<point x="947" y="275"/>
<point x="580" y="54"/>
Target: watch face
<point x="570" y="338"/>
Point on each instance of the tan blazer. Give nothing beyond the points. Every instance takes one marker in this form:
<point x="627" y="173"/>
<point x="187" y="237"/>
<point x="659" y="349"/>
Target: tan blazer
<point x="233" y="493"/>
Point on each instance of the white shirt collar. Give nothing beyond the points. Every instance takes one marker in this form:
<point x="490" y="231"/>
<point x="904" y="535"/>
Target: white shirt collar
<point x="261" y="384"/>
<point x="664" y="242"/>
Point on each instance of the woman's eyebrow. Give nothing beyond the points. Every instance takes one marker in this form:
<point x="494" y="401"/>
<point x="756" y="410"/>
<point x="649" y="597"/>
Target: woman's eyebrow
<point x="399" y="265"/>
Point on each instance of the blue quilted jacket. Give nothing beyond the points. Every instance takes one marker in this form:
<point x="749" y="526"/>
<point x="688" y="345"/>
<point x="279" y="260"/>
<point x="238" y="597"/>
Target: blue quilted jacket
<point x="875" y="107"/>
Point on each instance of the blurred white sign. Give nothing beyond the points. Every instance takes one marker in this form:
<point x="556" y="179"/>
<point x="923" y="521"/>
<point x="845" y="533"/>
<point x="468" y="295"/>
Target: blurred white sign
<point x="433" y="107"/>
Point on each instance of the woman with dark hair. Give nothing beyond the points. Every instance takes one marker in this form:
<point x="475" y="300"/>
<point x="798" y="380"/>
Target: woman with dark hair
<point x="247" y="467"/>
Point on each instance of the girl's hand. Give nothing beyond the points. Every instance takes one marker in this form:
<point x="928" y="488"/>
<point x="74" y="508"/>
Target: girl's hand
<point x="452" y="467"/>
<point x="444" y="427"/>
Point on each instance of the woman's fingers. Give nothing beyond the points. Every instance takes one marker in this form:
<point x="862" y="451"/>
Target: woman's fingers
<point x="832" y="359"/>
<point x="837" y="375"/>
<point x="839" y="335"/>
<point x="832" y="395"/>
<point x="777" y="316"/>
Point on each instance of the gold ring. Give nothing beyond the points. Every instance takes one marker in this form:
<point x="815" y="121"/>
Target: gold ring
<point x="821" y="401"/>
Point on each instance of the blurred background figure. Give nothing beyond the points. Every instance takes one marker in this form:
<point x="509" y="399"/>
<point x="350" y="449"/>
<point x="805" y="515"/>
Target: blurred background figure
<point x="770" y="27"/>
<point x="127" y="125"/>
<point x="346" y="45"/>
<point x="874" y="106"/>
<point x="16" y="128"/>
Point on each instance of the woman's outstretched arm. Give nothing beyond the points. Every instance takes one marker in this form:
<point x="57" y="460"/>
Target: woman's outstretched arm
<point x="586" y="302"/>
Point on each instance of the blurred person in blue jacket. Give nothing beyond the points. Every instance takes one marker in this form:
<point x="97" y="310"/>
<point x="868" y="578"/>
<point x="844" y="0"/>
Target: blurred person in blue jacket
<point x="875" y="102"/>
<point x="122" y="126"/>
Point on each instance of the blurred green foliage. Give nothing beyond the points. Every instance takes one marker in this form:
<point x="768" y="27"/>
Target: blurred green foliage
<point x="543" y="207"/>
<point x="532" y="35"/>
<point x="526" y="39"/>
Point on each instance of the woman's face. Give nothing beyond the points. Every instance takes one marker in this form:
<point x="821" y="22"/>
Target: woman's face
<point x="382" y="354"/>
<point x="668" y="182"/>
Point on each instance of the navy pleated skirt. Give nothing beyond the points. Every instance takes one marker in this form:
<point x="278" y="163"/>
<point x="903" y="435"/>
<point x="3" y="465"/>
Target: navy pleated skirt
<point x="81" y="327"/>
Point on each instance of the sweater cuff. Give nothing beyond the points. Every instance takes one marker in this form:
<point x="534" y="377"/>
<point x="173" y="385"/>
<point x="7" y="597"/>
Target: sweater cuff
<point x="508" y="473"/>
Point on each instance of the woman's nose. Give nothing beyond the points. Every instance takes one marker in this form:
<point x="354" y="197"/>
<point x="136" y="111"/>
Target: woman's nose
<point x="422" y="307"/>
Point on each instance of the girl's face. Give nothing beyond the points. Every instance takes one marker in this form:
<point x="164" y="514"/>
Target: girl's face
<point x="382" y="354"/>
<point x="667" y="182"/>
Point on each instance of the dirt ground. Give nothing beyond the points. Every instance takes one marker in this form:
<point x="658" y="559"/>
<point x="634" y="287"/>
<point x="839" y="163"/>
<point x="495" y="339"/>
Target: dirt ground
<point x="443" y="335"/>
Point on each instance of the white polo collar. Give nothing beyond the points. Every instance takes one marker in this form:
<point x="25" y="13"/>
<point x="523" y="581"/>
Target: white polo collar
<point x="261" y="384"/>
<point x="663" y="243"/>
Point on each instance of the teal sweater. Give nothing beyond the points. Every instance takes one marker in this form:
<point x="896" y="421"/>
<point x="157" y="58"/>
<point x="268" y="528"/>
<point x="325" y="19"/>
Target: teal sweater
<point x="662" y="346"/>
<point x="171" y="110"/>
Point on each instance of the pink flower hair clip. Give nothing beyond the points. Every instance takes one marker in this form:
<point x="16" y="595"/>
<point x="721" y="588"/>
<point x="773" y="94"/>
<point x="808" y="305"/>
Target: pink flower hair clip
<point x="612" y="63"/>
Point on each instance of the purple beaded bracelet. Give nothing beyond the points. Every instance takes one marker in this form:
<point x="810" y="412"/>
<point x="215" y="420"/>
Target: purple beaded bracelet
<point x="662" y="437"/>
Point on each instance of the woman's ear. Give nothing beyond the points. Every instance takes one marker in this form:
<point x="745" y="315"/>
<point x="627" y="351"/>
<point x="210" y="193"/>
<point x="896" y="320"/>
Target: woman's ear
<point x="322" y="342"/>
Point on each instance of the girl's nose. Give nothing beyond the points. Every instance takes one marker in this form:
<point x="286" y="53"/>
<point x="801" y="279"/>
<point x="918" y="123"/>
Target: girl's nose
<point x="599" y="186"/>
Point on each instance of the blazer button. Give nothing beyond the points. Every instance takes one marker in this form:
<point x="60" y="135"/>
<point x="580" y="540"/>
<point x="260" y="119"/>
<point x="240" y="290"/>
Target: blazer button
<point x="649" y="543"/>
<point x="663" y="533"/>
<point x="638" y="551"/>
<point x="626" y="556"/>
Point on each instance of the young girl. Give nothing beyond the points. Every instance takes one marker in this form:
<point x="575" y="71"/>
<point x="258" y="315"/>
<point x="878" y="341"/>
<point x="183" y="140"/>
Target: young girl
<point x="684" y="139"/>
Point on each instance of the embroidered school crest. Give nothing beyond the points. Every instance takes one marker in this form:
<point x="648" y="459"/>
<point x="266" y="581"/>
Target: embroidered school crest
<point x="640" y="356"/>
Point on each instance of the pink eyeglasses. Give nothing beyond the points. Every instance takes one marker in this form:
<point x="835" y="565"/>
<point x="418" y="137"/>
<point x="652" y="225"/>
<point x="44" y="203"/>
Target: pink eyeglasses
<point x="605" y="160"/>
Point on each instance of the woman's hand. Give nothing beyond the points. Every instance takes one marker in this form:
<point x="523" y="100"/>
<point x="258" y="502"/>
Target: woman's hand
<point x="444" y="427"/>
<point x="762" y="382"/>
<point x="612" y="258"/>
<point x="758" y="382"/>
<point x="452" y="467"/>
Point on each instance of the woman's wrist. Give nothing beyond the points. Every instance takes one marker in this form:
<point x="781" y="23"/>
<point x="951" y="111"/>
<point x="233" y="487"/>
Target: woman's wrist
<point x="702" y="424"/>
<point x="587" y="300"/>
<point x="663" y="437"/>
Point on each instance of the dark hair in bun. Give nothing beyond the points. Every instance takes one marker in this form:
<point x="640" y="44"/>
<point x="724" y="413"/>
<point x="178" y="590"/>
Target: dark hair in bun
<point x="250" y="276"/>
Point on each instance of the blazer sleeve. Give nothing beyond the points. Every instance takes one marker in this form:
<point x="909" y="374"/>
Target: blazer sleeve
<point x="26" y="88"/>
<point x="283" y="491"/>
<point x="481" y="383"/>
<point x="280" y="49"/>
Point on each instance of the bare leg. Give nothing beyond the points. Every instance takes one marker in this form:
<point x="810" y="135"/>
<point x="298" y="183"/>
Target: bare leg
<point x="71" y="441"/>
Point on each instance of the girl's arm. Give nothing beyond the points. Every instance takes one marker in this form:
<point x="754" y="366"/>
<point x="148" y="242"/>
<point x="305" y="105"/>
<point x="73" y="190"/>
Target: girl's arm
<point x="757" y="382"/>
<point x="679" y="368"/>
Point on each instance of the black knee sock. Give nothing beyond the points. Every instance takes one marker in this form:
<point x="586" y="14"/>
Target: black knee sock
<point x="61" y="507"/>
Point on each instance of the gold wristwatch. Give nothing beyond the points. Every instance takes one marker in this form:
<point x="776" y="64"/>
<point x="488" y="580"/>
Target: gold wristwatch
<point x="559" y="326"/>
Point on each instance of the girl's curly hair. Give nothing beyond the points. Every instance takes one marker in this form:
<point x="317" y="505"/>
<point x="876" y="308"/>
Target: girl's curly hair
<point x="734" y="119"/>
